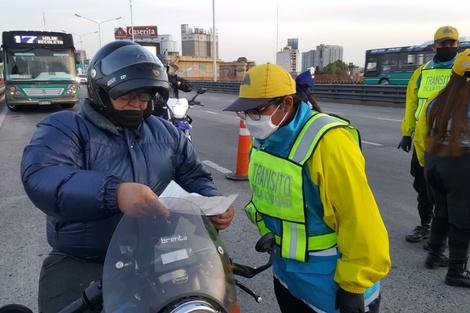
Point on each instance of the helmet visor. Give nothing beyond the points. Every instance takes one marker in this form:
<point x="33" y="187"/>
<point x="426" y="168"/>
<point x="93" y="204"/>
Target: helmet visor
<point x="126" y="56"/>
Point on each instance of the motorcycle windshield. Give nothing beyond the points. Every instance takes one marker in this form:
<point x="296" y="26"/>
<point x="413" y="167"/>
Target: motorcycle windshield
<point x="157" y="264"/>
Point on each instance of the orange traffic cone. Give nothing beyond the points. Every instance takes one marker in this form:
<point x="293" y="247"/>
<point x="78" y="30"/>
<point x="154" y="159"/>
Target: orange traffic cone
<point x="244" y="145"/>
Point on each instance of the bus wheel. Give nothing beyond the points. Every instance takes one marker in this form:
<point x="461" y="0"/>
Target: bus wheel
<point x="384" y="82"/>
<point x="13" y="107"/>
<point x="67" y="106"/>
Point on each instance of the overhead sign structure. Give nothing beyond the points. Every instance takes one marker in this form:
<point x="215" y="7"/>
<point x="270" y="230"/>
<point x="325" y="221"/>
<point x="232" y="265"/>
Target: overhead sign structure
<point x="141" y="32"/>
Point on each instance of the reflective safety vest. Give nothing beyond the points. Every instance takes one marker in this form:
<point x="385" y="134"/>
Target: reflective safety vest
<point x="432" y="81"/>
<point x="277" y="189"/>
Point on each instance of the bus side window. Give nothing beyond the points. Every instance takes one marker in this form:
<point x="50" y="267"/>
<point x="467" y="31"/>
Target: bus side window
<point x="428" y="57"/>
<point x="371" y="65"/>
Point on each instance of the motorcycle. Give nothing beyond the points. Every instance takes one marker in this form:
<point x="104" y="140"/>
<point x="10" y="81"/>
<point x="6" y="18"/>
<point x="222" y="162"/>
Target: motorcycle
<point x="175" y="264"/>
<point x="176" y="111"/>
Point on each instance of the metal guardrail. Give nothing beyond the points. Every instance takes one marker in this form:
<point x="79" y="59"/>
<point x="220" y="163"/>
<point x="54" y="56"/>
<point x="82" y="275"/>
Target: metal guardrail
<point x="355" y="92"/>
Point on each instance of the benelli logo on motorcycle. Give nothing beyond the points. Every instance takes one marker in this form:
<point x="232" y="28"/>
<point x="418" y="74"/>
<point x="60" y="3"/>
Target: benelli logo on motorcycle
<point x="173" y="239"/>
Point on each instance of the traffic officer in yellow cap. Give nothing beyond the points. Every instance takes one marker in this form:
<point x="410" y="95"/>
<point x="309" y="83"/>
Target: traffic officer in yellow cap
<point x="426" y="80"/>
<point x="442" y="144"/>
<point x="309" y="187"/>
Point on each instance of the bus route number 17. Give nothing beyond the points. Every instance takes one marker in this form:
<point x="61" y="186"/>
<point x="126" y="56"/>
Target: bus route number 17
<point x="25" y="39"/>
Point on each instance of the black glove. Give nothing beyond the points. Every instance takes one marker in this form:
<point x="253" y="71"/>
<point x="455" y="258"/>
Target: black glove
<point x="405" y="144"/>
<point x="348" y="302"/>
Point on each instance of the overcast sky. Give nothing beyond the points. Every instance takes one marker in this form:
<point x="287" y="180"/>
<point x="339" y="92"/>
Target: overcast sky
<point x="255" y="29"/>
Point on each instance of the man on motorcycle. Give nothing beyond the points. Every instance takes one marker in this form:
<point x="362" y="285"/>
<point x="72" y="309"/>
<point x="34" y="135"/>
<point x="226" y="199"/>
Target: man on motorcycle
<point x="176" y="83"/>
<point x="86" y="169"/>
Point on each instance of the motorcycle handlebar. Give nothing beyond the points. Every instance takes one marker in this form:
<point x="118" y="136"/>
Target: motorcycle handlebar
<point x="91" y="299"/>
<point x="195" y="103"/>
<point x="248" y="271"/>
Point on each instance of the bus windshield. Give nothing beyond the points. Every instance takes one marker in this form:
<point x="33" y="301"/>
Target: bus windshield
<point x="40" y="64"/>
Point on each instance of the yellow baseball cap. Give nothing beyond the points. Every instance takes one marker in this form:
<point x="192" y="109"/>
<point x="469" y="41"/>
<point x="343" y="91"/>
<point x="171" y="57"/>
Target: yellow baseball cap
<point x="446" y="33"/>
<point x="462" y="63"/>
<point x="261" y="84"/>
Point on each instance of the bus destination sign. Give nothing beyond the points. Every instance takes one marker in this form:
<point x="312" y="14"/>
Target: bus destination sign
<point x="39" y="40"/>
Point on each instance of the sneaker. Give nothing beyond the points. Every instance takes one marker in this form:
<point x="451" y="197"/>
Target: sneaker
<point x="418" y="234"/>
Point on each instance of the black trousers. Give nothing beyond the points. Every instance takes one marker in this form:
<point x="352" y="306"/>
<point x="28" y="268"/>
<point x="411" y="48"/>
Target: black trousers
<point x="289" y="304"/>
<point x="449" y="178"/>
<point x="425" y="205"/>
<point x="63" y="279"/>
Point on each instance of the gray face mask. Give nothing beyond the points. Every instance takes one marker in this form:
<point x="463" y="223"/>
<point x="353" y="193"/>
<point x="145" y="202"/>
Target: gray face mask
<point x="446" y="53"/>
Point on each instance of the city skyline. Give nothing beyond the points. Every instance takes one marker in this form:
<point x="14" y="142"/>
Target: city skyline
<point x="256" y="30"/>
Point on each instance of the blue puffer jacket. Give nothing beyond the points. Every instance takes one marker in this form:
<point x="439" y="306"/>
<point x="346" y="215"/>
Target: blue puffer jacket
<point x="75" y="161"/>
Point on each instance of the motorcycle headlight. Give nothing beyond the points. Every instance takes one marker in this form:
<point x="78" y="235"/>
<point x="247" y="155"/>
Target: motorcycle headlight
<point x="194" y="306"/>
<point x="178" y="107"/>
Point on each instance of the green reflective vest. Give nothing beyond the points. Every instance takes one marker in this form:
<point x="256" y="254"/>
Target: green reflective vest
<point x="432" y="81"/>
<point x="277" y="189"/>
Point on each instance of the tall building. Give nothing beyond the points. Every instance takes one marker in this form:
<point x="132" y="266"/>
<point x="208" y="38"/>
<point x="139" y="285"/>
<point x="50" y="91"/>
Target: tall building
<point x="167" y="44"/>
<point x="289" y="57"/>
<point x="308" y="60"/>
<point x="293" y="43"/>
<point x="326" y="54"/>
<point x="197" y="42"/>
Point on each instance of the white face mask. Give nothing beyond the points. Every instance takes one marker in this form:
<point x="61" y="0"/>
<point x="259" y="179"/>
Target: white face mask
<point x="264" y="127"/>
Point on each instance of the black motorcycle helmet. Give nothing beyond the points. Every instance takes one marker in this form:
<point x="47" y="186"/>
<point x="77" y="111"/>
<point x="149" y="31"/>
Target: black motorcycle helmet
<point x="120" y="67"/>
<point x="165" y="62"/>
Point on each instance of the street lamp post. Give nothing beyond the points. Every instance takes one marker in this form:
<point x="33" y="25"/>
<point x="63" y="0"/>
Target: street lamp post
<point x="81" y="45"/>
<point x="98" y="23"/>
<point x="214" y="37"/>
<point x="132" y="22"/>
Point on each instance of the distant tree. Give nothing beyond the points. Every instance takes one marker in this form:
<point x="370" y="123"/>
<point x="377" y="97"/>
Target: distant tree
<point x="337" y="67"/>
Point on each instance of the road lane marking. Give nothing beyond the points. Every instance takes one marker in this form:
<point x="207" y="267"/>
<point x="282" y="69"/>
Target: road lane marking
<point x="216" y="167"/>
<point x="388" y="119"/>
<point x="2" y="115"/>
<point x="372" y="143"/>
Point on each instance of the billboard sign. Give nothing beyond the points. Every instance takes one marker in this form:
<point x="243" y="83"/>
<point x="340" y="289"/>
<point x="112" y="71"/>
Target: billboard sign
<point x="140" y="32"/>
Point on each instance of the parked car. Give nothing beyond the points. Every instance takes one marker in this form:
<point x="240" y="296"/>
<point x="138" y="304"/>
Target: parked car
<point x="81" y="79"/>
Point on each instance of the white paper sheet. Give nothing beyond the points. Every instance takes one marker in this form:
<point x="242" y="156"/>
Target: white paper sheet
<point x="209" y="205"/>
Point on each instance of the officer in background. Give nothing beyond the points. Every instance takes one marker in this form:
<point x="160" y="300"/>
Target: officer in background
<point x="425" y="81"/>
<point x="442" y="144"/>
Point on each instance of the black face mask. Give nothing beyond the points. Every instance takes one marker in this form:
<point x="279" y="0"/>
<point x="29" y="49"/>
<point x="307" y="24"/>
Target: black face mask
<point x="127" y="118"/>
<point x="446" y="54"/>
